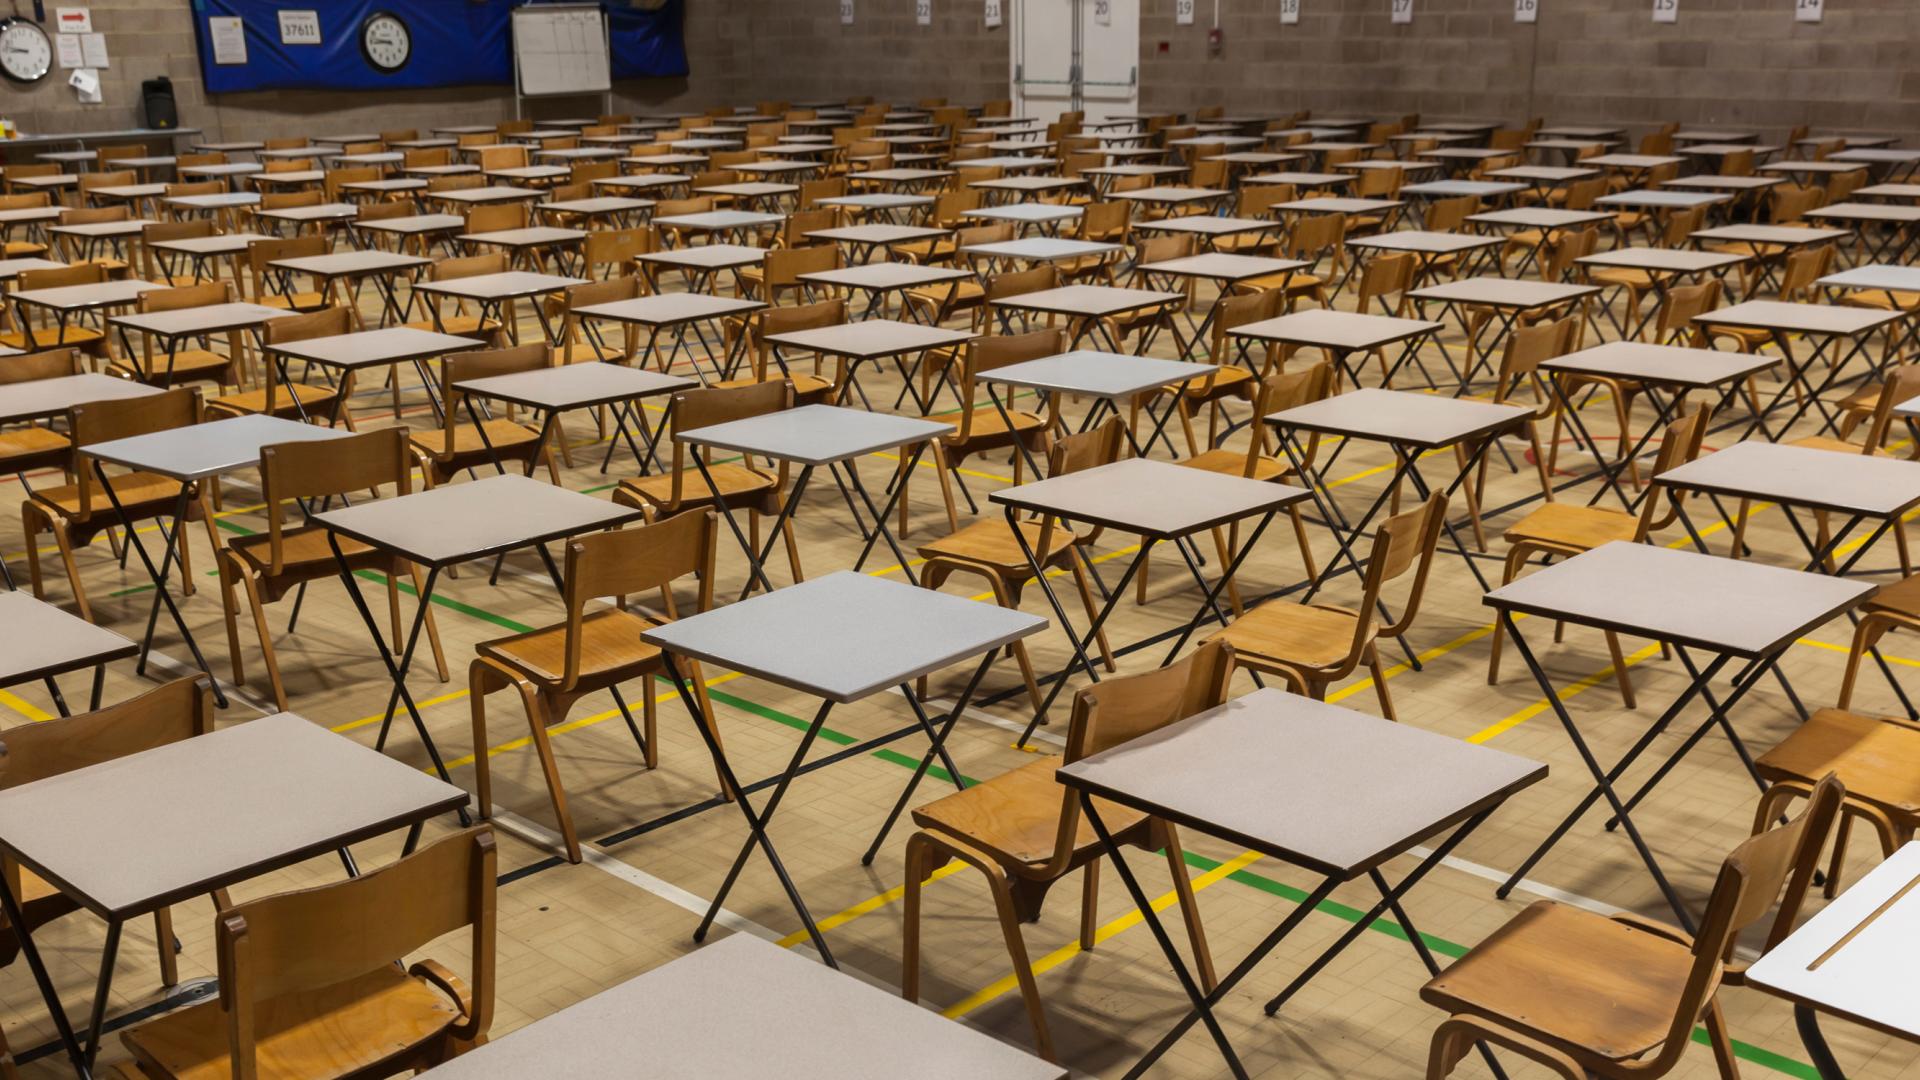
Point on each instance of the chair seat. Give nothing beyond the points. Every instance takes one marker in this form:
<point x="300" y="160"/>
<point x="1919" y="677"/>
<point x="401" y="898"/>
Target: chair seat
<point x="965" y="292"/>
<point x="1016" y="816"/>
<point x="1621" y="275"/>
<point x="987" y="422"/>
<point x="302" y="549"/>
<point x="336" y="1031"/>
<point x="587" y="352"/>
<point x="458" y="325"/>
<point x="30" y="442"/>
<point x="300" y="301"/>
<point x="803" y="384"/>
<point x="1828" y="442"/>
<point x="989" y="541"/>
<point x="923" y="251"/>
<point x="609" y="644"/>
<point x="1878" y="760"/>
<point x="732" y="479"/>
<point x="135" y="490"/>
<point x="310" y="398"/>
<point x="1900" y="598"/>
<point x="1229" y="462"/>
<point x="1293" y="281"/>
<point x="1566" y="526"/>
<point x="188" y="364"/>
<point x="1583" y="981"/>
<point x="1225" y="381"/>
<point x="1882" y="299"/>
<point x="50" y="337"/>
<point x="1297" y="635"/>
<point x="503" y="434"/>
<point x="24" y="249"/>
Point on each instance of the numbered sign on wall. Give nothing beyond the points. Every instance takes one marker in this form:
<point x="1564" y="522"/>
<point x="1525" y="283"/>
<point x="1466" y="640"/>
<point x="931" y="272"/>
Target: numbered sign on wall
<point x="1183" y="12"/>
<point x="1808" y="10"/>
<point x="846" y="12"/>
<point x="1402" y="10"/>
<point x="923" y="12"/>
<point x="993" y="13"/>
<point x="1103" y="12"/>
<point x="1666" y="10"/>
<point x="1526" y="10"/>
<point x="1289" y="12"/>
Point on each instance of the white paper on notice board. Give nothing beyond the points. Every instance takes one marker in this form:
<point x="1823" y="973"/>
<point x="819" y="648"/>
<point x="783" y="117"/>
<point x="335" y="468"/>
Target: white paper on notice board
<point x="229" y="34"/>
<point x="71" y="54"/>
<point x="846" y="12"/>
<point x="74" y="20"/>
<point x="93" y="49"/>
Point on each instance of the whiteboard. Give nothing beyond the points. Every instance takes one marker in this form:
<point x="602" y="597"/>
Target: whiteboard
<point x="560" y="50"/>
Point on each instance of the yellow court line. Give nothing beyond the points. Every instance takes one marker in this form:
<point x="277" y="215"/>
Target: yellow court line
<point x="870" y="904"/>
<point x="1067" y="952"/>
<point x="25" y="708"/>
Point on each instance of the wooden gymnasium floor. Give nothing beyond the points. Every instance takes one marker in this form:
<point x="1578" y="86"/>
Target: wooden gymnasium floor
<point x="568" y="931"/>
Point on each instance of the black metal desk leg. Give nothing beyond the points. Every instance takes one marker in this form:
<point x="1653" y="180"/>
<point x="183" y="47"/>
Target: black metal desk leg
<point x="937" y="748"/>
<point x="1807" y="1022"/>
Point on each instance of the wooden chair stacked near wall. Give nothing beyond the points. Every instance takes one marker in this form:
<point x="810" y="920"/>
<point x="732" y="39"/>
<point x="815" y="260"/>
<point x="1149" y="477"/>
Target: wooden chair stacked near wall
<point x="1025" y="832"/>
<point x="554" y="667"/>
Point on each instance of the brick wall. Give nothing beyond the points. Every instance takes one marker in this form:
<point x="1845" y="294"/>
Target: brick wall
<point x="801" y="51"/>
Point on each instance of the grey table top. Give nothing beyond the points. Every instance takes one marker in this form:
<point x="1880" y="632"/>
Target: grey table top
<point x="45" y="640"/>
<point x="1813" y="167"/>
<point x="1028" y="183"/>
<point x="456" y="522"/>
<point x="1225" y="266"/>
<point x="1428" y="243"/>
<point x="599" y="204"/>
<point x="1208" y="225"/>
<point x="219" y="201"/>
<point x="1338" y="206"/>
<point x="1664" y="365"/>
<point x="575" y="386"/>
<point x="1663" y="260"/>
<point x="1504" y="292"/>
<point x="1723" y="183"/>
<point x="1344" y="331"/>
<point x="201" y="320"/>
<point x="1089" y="300"/>
<point x="1799" y="318"/>
<point x="1876" y="486"/>
<point x="667" y="309"/>
<point x="1546" y="173"/>
<point x="1878" y="276"/>
<point x="323" y="212"/>
<point x="128" y="227"/>
<point x="1025" y="213"/>
<point x="1149" y="497"/>
<point x="1448" y="188"/>
<point x="1890" y="191"/>
<point x="347" y="263"/>
<point x="1315" y="785"/>
<point x="1580" y="131"/>
<point x="887" y="275"/>
<point x="816" y="434"/>
<point x="844" y="636"/>
<point x="496" y="193"/>
<point x="876" y="233"/>
<point x="1856" y="211"/>
<point x="1172" y="195"/>
<point x="1533" y="217"/>
<point x="42" y="398"/>
<point x="1663" y="200"/>
<point x="131" y="835"/>
<point x="415" y="223"/>
<point x="78" y="297"/>
<point x="708" y="256"/>
<point x="501" y="286"/>
<point x="1114" y="376"/>
<point x="1042" y="248"/>
<point x="1878" y="157"/>
<point x="531" y="236"/>
<point x="732" y="1009"/>
<point x="1733" y="606"/>
<point x="879" y="200"/>
<point x="720" y="220"/>
<point x="1634" y="161"/>
<point x="1404" y="417"/>
<point x="368" y="348"/>
<point x="11" y="268"/>
<point x="1785" y="235"/>
<point x="223" y="244"/>
<point x="871" y="338"/>
<point x="214" y="448"/>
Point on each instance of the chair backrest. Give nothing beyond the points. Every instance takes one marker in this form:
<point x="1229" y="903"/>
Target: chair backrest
<point x="1679" y="444"/>
<point x="694" y="409"/>
<point x="1738" y="163"/>
<point x="1404" y="541"/>
<point x="1685" y="303"/>
<point x="1527" y="348"/>
<point x="316" y="469"/>
<point x="456" y="182"/>
<point x="1790" y="203"/>
<point x="1384" y="276"/>
<point x="1902" y="385"/>
<point x="502" y="157"/>
<point x="812" y="191"/>
<point x="1279" y="392"/>
<point x="1233" y="312"/>
<point x="1450" y="215"/>
<point x="280" y="165"/>
<point x="1572" y="246"/>
<point x="619" y="247"/>
<point x="785" y="265"/>
<point x="168" y="713"/>
<point x="493" y="262"/>
<point x="32" y="367"/>
<point x="608" y="291"/>
<point x="498" y="217"/>
<point x="104" y="421"/>
<point x="58" y="277"/>
<point x="637" y="559"/>
<point x="1803" y="268"/>
<point x="320" y="937"/>
<point x="432" y="156"/>
<point x="480" y="364"/>
<point x="585" y="172"/>
<point x="1316" y="236"/>
<point x="1657" y="142"/>
<point x="287" y="200"/>
<point x="1378" y="183"/>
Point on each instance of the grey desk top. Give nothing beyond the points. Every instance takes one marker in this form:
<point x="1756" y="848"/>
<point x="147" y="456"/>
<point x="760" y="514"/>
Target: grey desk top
<point x="1855" y="211"/>
<point x="1812" y="167"/>
<point x="232" y="168"/>
<point x="1028" y="183"/>
<point x="296" y="176"/>
<point x="12" y="268"/>
<point x="1208" y="225"/>
<point x="201" y="320"/>
<point x="1723" y="605"/>
<point x="1854" y="957"/>
<point x="368" y="348"/>
<point x="750" y="190"/>
<point x="1549" y="173"/>
<point x="1404" y="417"/>
<point x="1663" y="260"/>
<point x="1026" y="213"/>
<point x="1723" y="183"/>
<point x="415" y="223"/>
<point x="532" y="236"/>
<point x="1113" y="376"/>
<point x="1878" y="276"/>
<point x="904" y="176"/>
<point x="346" y="263"/>
<point x="456" y="522"/>
<point x="52" y="397"/>
<point x="1151" y="498"/>
<point x="708" y="256"/>
<point x="667" y="309"/>
<point x="1044" y="248"/>
<point x="531" y="172"/>
<point x="510" y="283"/>
<point x="402" y="184"/>
<point x="323" y="212"/>
<point x="1665" y="365"/>
<point x="440" y="170"/>
<point x="720" y="220"/>
<point x="45" y="640"/>
<point x="816" y="434"/>
<point x="1634" y="161"/>
<point x="1578" y="131"/>
<point x="1880" y="157"/>
<point x="1722" y="149"/>
<point x="1890" y="191"/>
<point x="129" y="227"/>
<point x="1530" y="217"/>
<point x="496" y="193"/>
<point x="1787" y="235"/>
<point x="210" y="449"/>
<point x="844" y="636"/>
<point x="575" y="386"/>
<point x="1341" y="330"/>
<point x="127" y="836"/>
<point x="1504" y="292"/>
<point x="1225" y="266"/>
<point x="31" y="213"/>
<point x="1878" y="487"/>
<point x="1172" y="195"/>
<point x="1133" y="170"/>
<point x="599" y="204"/>
<point x="218" y="201"/>
<point x="223" y="244"/>
<point x="879" y="200"/>
<point x="1670" y="200"/>
<point x="1799" y="318"/>
<point x="76" y="297"/>
<point x="876" y="233"/>
<point x="1338" y="206"/>
<point x="1315" y="785"/>
<point x="887" y="275"/>
<point x="1447" y="188"/>
<point x="1089" y="300"/>
<point x="1433" y="243"/>
<point x="871" y="338"/>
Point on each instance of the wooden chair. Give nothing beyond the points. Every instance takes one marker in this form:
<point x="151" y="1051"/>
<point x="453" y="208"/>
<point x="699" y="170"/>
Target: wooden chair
<point x="1526" y="349"/>
<point x="30" y="447"/>
<point x="1589" y="995"/>
<point x="1025" y="833"/>
<point x="554" y="667"/>
<point x="296" y="400"/>
<point x="189" y="363"/>
<point x="938" y="303"/>
<point x="987" y="548"/>
<point x="744" y="485"/>
<point x="166" y="714"/>
<point x="262" y="276"/>
<point x="22" y="249"/>
<point x="1874" y="406"/>
<point x="457" y="444"/>
<point x="1313" y="646"/>
<point x="77" y="512"/>
<point x="576" y="346"/>
<point x="980" y="428"/>
<point x="311" y="982"/>
<point x="808" y="389"/>
<point x="457" y="321"/>
<point x="46" y="333"/>
<point x="1558" y="529"/>
<point x="1230" y="379"/>
<point x="287" y="558"/>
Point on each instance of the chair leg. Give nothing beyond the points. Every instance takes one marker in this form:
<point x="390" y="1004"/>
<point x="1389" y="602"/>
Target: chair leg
<point x="1089" y="904"/>
<point x="710" y="719"/>
<point x="1843" y="831"/>
<point x="945" y="470"/>
<point x="1620" y="674"/>
<point x="267" y="654"/>
<point x="64" y="540"/>
<point x="1380" y="682"/>
<point x="230" y="610"/>
<point x="433" y="628"/>
<point x="163" y="939"/>
<point x="1740" y="529"/>
<point x="650" y="724"/>
<point x="1140" y="580"/>
<point x="1189" y="907"/>
<point x="1515" y="559"/>
<point x="1716" y="1025"/>
<point x="1865" y="637"/>
<point x="1300" y="537"/>
<point x="793" y="550"/>
<point x="1086" y="601"/>
<point x="538" y="718"/>
<point x="917" y="846"/>
<point x="1226" y="559"/>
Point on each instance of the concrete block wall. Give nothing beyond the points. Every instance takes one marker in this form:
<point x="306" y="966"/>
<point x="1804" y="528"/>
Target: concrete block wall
<point x="801" y="50"/>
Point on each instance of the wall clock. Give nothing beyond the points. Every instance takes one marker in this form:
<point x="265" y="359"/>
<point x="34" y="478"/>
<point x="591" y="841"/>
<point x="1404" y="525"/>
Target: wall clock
<point x="386" y="42"/>
<point x="26" y="53"/>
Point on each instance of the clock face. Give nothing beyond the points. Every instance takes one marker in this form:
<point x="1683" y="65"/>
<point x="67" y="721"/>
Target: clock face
<point x="25" y="53"/>
<point x="386" y="41"/>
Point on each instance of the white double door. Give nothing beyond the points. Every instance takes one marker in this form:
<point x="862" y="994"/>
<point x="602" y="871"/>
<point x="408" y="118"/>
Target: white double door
<point x="1073" y="55"/>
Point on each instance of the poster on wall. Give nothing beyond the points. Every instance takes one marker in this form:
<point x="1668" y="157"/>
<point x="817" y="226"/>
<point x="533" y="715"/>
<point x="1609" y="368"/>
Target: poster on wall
<point x="1808" y="10"/>
<point x="300" y="27"/>
<point x="1289" y="12"/>
<point x="1526" y="10"/>
<point x="229" y="36"/>
<point x="993" y="14"/>
<point x="1666" y="10"/>
<point x="1402" y="10"/>
<point x="74" y="20"/>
